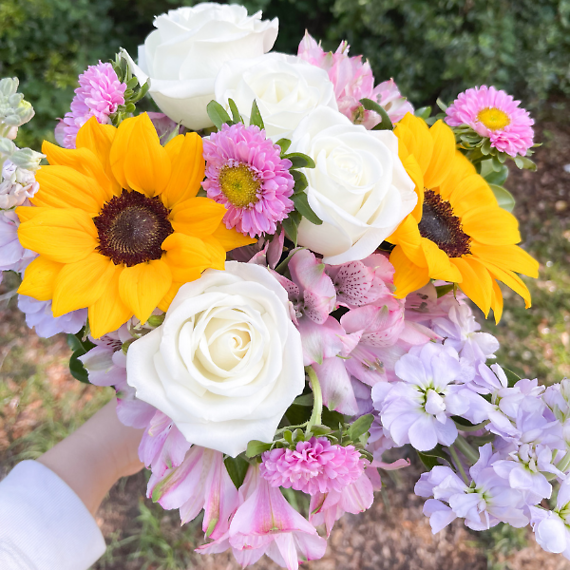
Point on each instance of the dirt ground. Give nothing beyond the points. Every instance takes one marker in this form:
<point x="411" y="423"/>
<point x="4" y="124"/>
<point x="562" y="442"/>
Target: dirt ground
<point x="392" y="535"/>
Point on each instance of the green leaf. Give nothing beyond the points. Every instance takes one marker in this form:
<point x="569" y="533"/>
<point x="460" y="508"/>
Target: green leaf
<point x="76" y="367"/>
<point x="430" y="458"/>
<point x="217" y="114"/>
<point x="525" y="163"/>
<point x="304" y="400"/>
<point x="235" y="113"/>
<point x="492" y="176"/>
<point x="297" y="415"/>
<point x="441" y="105"/>
<point x="332" y="419"/>
<point x="74" y="343"/>
<point x="423" y="113"/>
<point x="301" y="182"/>
<point x="360" y="427"/>
<point x="302" y="206"/>
<point x="386" y="123"/>
<point x="291" y="225"/>
<point x="237" y="468"/>
<point x="284" y="144"/>
<point x="256" y="448"/>
<point x="512" y="377"/>
<point x="486" y="147"/>
<point x="504" y="197"/>
<point x="319" y="430"/>
<point x="255" y="118"/>
<point x="300" y="160"/>
<point x="442" y="290"/>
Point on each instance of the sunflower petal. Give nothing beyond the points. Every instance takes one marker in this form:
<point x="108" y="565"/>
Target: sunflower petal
<point x="443" y="153"/>
<point x="408" y="236"/>
<point x="188" y="165"/>
<point x="65" y="236"/>
<point x="230" y="239"/>
<point x="80" y="284"/>
<point x="497" y="303"/>
<point x="39" y="279"/>
<point x="169" y="297"/>
<point x="82" y="160"/>
<point x="143" y="286"/>
<point x="142" y="160"/>
<point x="198" y="217"/>
<point x="64" y="187"/>
<point x="408" y="277"/>
<point x="492" y="226"/>
<point x="477" y="283"/>
<point x="439" y="264"/>
<point x="416" y="137"/>
<point x="471" y="193"/>
<point x="458" y="169"/>
<point x="187" y="257"/>
<point x="109" y="312"/>
<point x="99" y="140"/>
<point x="509" y="257"/>
<point x="511" y="280"/>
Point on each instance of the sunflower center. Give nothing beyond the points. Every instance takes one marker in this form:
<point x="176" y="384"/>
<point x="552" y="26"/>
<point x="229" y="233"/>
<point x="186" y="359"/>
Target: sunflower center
<point x="441" y="226"/>
<point x="240" y="184"/>
<point x="132" y="228"/>
<point x="494" y="119"/>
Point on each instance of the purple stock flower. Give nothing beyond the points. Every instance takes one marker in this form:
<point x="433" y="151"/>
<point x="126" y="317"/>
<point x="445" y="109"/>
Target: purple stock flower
<point x="244" y="171"/>
<point x="313" y="466"/>
<point x="13" y="257"/>
<point x="417" y="409"/>
<point x="39" y="315"/>
<point x="484" y="503"/>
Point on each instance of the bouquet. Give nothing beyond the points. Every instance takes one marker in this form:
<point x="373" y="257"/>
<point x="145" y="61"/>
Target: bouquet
<point x="276" y="273"/>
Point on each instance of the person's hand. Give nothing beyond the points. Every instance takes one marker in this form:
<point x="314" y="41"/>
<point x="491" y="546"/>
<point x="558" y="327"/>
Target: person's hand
<point x="93" y="458"/>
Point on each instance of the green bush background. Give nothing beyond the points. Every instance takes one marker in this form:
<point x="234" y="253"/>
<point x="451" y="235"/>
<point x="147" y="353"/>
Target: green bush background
<point x="431" y="47"/>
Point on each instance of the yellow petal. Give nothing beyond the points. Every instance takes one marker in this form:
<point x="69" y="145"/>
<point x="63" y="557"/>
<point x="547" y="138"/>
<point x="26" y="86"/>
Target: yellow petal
<point x="80" y="284"/>
<point x="143" y="286"/>
<point x="511" y="280"/>
<point x="39" y="279"/>
<point x="187" y="257"/>
<point x="138" y="158"/>
<point x="458" y="169"/>
<point x="470" y="193"/>
<point x="492" y="226"/>
<point x="408" y="277"/>
<point x="416" y="136"/>
<point x="439" y="265"/>
<point x="64" y="187"/>
<point x="185" y="152"/>
<point x="84" y="161"/>
<point x="415" y="173"/>
<point x="443" y="154"/>
<point x="61" y="235"/>
<point x="477" y="283"/>
<point x="408" y="236"/>
<point x="99" y="139"/>
<point x="26" y="213"/>
<point x="168" y="298"/>
<point x="510" y="257"/>
<point x="230" y="239"/>
<point x="497" y="303"/>
<point x="197" y="217"/>
<point x="109" y="312"/>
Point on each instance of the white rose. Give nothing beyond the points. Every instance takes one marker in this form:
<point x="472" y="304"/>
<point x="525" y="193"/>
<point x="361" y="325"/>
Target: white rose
<point x="184" y="54"/>
<point x="285" y="87"/>
<point x="227" y="361"/>
<point x="359" y="187"/>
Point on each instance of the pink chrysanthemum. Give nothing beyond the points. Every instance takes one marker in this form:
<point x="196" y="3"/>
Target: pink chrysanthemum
<point x="99" y="94"/>
<point x="495" y="114"/>
<point x="314" y="466"/>
<point x="245" y="173"/>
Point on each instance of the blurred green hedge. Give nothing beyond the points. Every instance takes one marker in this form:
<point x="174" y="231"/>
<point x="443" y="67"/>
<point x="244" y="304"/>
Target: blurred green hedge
<point x="430" y="47"/>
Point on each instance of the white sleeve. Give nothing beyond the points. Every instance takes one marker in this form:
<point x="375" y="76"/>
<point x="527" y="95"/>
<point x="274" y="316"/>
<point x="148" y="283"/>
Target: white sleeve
<point x="44" y="525"/>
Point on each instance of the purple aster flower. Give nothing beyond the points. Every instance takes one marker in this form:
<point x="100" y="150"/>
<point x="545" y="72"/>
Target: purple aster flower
<point x="495" y="114"/>
<point x="99" y="94"/>
<point x="39" y="315"/>
<point x="314" y="466"/>
<point x="245" y="173"/>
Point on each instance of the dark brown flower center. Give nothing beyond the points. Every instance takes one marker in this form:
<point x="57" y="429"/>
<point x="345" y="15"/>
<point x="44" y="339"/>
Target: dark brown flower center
<point x="441" y="226"/>
<point x="132" y="228"/>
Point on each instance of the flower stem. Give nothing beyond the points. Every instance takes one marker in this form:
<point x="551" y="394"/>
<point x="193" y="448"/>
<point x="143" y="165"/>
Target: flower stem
<point x="316" y="416"/>
<point x="467" y="450"/>
<point x="458" y="463"/>
<point x="564" y="463"/>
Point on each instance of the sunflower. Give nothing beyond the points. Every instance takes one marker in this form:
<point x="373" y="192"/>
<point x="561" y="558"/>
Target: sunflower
<point x="457" y="232"/>
<point x="118" y="226"/>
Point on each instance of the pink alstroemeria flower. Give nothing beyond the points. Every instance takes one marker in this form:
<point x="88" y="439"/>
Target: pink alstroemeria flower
<point x="201" y="481"/>
<point x="265" y="523"/>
